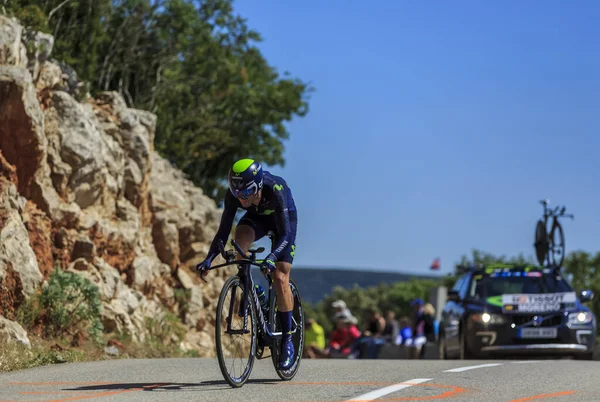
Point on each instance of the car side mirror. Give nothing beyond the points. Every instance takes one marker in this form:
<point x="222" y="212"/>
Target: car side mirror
<point x="453" y="295"/>
<point x="586" y="295"/>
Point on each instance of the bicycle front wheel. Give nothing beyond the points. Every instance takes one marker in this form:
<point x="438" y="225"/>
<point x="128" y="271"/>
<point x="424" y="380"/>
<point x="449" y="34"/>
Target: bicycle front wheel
<point x="297" y="336"/>
<point x="235" y="349"/>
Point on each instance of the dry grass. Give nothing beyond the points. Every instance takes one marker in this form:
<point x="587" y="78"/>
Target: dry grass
<point x="63" y="330"/>
<point x="16" y="356"/>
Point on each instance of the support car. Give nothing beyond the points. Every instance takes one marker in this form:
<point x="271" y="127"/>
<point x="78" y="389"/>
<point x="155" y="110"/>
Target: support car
<point x="511" y="310"/>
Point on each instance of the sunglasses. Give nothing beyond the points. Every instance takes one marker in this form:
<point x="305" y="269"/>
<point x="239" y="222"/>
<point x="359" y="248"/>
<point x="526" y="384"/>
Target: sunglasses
<point x="245" y="193"/>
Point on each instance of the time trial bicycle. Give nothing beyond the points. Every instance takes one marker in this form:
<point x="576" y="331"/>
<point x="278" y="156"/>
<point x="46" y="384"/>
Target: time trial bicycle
<point x="264" y="327"/>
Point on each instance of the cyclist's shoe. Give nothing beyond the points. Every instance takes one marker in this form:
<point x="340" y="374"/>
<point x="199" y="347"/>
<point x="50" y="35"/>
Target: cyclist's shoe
<point x="286" y="359"/>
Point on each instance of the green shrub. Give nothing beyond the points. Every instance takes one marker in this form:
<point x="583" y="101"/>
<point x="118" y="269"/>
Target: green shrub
<point x="182" y="298"/>
<point x="32" y="17"/>
<point x="67" y="306"/>
<point x="164" y="334"/>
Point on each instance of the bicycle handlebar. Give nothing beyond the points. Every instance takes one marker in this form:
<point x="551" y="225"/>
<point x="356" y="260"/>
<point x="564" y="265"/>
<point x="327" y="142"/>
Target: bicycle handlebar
<point x="556" y="212"/>
<point x="239" y="249"/>
<point x="229" y="255"/>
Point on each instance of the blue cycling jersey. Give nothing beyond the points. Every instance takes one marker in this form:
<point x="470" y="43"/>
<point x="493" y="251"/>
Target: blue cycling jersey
<point x="276" y="199"/>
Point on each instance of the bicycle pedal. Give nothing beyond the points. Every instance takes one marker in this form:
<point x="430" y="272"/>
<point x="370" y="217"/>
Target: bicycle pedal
<point x="259" y="352"/>
<point x="261" y="356"/>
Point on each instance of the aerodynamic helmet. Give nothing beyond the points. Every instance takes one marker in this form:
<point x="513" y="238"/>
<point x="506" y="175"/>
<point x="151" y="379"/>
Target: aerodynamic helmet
<point x="245" y="178"/>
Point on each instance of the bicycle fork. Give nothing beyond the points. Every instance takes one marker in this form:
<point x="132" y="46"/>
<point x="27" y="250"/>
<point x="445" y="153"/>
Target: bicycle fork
<point x="248" y="286"/>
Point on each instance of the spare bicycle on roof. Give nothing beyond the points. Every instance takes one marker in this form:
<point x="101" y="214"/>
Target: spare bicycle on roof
<point x="550" y="244"/>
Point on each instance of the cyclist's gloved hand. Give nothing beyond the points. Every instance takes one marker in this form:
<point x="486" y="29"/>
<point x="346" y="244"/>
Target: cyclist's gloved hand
<point x="268" y="263"/>
<point x="203" y="267"/>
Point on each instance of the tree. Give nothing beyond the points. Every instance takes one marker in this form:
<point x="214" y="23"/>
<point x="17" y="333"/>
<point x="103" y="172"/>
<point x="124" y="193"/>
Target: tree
<point x="32" y="17"/>
<point x="77" y="27"/>
<point x="194" y="63"/>
<point x="223" y="102"/>
<point x="485" y="258"/>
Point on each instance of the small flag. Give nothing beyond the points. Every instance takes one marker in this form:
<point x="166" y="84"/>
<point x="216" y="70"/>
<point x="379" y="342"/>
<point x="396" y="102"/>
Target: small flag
<point x="435" y="265"/>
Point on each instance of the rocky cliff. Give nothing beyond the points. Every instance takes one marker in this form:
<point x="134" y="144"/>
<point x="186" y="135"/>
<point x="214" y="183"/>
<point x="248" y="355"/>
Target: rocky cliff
<point x="82" y="190"/>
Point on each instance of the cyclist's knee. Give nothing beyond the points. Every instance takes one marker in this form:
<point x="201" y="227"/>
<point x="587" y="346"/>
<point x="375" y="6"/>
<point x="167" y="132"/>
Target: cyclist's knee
<point x="244" y="236"/>
<point x="284" y="267"/>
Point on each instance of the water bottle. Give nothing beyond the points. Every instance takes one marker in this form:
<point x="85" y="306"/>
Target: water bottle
<point x="262" y="298"/>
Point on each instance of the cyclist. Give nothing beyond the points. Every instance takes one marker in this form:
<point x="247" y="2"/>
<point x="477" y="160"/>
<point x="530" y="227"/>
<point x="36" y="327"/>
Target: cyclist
<point x="269" y="205"/>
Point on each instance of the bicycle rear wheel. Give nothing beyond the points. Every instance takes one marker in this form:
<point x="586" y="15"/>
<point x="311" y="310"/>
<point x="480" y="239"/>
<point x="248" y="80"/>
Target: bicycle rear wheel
<point x="541" y="242"/>
<point x="229" y="303"/>
<point x="297" y="337"/>
<point x="557" y="244"/>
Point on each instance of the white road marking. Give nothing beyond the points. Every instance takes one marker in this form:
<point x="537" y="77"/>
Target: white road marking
<point x="459" y="369"/>
<point x="369" y="396"/>
<point x="527" y="361"/>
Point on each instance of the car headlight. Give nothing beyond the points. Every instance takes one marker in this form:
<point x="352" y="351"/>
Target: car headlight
<point x="582" y="317"/>
<point x="488" y="318"/>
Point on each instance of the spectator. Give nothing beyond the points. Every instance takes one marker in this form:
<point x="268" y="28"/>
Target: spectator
<point x="339" y="306"/>
<point x="418" y="339"/>
<point x="391" y="329"/>
<point x="405" y="331"/>
<point x="375" y="324"/>
<point x="417" y="311"/>
<point x="429" y="327"/>
<point x="314" y="339"/>
<point x="342" y="337"/>
<point x="372" y="337"/>
<point x="423" y="329"/>
<point x="353" y="331"/>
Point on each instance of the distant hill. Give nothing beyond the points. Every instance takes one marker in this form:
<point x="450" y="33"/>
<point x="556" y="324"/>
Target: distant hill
<point x="316" y="283"/>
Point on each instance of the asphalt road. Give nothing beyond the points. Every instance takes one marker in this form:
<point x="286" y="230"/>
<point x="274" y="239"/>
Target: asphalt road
<point x="317" y="380"/>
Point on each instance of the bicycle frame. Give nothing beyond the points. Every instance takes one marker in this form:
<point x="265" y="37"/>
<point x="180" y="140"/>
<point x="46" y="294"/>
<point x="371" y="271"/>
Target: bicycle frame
<point x="244" y="274"/>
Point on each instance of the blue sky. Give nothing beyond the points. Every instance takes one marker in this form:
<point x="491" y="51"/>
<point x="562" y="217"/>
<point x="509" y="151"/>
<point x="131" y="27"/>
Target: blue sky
<point x="436" y="127"/>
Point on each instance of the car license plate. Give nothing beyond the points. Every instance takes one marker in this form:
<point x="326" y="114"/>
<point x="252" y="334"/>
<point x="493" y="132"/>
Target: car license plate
<point x="538" y="333"/>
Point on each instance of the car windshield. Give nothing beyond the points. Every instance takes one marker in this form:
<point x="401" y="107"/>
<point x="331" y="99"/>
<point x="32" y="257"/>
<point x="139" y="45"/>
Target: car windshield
<point x="489" y="286"/>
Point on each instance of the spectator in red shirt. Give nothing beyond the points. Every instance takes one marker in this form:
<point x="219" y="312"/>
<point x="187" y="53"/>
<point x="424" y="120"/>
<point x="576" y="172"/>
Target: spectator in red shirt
<point x="343" y="336"/>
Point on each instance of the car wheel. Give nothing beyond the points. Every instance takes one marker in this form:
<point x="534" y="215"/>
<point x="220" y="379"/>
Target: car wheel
<point x="586" y="356"/>
<point x="464" y="351"/>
